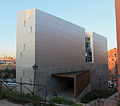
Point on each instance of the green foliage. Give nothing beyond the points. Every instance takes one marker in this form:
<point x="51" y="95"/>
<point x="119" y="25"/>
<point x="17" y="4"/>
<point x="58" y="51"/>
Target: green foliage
<point x="76" y="105"/>
<point x="7" y="73"/>
<point x="61" y="100"/>
<point x="96" y="94"/>
<point x="118" y="104"/>
<point x="20" y="98"/>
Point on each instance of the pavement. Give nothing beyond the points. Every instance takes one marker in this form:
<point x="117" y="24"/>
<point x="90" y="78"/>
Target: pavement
<point x="6" y="103"/>
<point x="111" y="101"/>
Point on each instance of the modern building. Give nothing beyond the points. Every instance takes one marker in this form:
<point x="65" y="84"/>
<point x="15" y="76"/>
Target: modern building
<point x="112" y="64"/>
<point x="71" y="61"/>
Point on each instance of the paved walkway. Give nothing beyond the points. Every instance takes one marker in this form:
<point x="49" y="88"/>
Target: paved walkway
<point x="6" y="103"/>
<point x="111" y="101"/>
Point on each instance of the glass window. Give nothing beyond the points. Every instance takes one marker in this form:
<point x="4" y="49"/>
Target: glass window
<point x="88" y="45"/>
<point x="88" y="50"/>
<point x="87" y="39"/>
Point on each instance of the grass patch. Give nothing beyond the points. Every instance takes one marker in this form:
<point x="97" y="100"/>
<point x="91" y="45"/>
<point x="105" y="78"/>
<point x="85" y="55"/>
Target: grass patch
<point x="62" y="100"/>
<point x="20" y="98"/>
<point x="97" y="94"/>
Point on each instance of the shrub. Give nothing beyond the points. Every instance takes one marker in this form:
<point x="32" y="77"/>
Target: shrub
<point x="96" y="94"/>
<point x="61" y="100"/>
<point x="20" y="98"/>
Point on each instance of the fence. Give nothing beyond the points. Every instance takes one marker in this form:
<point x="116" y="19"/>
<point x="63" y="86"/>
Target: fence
<point x="23" y="87"/>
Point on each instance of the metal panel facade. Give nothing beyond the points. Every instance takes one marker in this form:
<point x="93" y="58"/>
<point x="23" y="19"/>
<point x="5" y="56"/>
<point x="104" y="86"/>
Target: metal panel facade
<point x="58" y="42"/>
<point x="100" y="49"/>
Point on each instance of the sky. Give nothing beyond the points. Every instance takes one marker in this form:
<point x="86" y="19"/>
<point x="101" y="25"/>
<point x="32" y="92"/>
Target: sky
<point x="94" y="15"/>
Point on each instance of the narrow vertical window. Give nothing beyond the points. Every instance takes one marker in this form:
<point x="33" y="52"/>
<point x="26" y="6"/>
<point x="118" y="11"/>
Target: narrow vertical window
<point x="23" y="73"/>
<point x="20" y="79"/>
<point x="88" y="49"/>
<point x="21" y="55"/>
<point x="31" y="29"/>
<point x="24" y="46"/>
<point x="24" y="23"/>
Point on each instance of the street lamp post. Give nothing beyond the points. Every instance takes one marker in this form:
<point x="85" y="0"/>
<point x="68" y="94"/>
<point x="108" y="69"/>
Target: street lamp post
<point x="35" y="67"/>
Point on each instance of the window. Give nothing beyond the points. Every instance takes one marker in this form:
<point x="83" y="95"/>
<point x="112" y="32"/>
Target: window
<point x="24" y="46"/>
<point x="88" y="50"/>
<point x="31" y="29"/>
<point x="23" y="73"/>
<point x="87" y="39"/>
<point x="24" y="23"/>
<point x="89" y="57"/>
<point x="88" y="45"/>
<point x="21" y="55"/>
<point x="20" y="79"/>
<point x="31" y="81"/>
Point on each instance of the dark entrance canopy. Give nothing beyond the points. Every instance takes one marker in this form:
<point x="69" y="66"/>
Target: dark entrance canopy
<point x="81" y="80"/>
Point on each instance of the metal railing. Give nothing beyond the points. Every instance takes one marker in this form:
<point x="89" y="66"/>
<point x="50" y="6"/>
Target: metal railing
<point x="13" y="86"/>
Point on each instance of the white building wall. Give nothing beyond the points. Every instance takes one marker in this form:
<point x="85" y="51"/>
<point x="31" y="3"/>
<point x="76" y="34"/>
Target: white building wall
<point x="25" y="54"/>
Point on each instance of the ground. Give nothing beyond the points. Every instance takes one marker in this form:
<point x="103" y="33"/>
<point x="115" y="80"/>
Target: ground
<point x="6" y="103"/>
<point x="111" y="101"/>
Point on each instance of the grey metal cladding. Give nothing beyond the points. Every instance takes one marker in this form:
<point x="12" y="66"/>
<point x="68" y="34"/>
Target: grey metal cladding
<point x="58" y="42"/>
<point x="100" y="49"/>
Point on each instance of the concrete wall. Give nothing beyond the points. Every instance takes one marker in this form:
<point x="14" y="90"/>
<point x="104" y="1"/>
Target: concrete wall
<point x="25" y="54"/>
<point x="99" y="76"/>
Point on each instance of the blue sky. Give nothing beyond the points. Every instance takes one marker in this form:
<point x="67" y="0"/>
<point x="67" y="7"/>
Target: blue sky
<point x="94" y="15"/>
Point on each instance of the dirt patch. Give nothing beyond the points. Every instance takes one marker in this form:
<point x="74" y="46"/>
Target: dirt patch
<point x="6" y="103"/>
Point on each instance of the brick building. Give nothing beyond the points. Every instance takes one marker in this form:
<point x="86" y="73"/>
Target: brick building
<point x="117" y="10"/>
<point x="112" y="64"/>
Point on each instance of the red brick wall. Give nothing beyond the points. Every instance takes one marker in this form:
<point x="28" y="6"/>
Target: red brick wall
<point x="112" y="60"/>
<point x="117" y="8"/>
